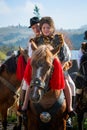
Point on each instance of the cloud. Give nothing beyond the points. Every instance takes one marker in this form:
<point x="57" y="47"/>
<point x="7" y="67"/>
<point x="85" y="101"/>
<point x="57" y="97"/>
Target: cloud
<point x="4" y="9"/>
<point x="18" y="14"/>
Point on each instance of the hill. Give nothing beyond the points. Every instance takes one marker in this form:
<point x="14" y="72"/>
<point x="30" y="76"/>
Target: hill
<point x="15" y="36"/>
<point x="76" y="36"/>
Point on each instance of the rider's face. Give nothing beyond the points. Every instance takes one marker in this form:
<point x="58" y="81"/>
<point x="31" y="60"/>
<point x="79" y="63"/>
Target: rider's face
<point x="36" y="29"/>
<point x="46" y="29"/>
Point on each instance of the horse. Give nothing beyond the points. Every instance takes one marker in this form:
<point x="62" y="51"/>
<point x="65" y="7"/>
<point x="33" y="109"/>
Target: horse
<point x="9" y="84"/>
<point x="81" y="85"/>
<point x="47" y="107"/>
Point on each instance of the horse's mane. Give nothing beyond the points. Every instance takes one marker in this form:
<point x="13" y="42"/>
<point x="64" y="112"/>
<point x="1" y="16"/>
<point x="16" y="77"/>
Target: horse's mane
<point x="42" y="51"/>
<point x="9" y="64"/>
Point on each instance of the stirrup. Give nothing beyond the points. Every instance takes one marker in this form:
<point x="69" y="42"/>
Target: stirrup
<point x="24" y="115"/>
<point x="72" y="114"/>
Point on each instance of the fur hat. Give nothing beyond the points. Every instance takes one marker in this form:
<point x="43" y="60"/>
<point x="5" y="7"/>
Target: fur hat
<point x="47" y="20"/>
<point x="33" y="21"/>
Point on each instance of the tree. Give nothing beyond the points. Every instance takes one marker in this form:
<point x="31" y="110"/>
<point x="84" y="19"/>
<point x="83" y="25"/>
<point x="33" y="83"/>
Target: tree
<point x="36" y="11"/>
<point x="2" y="56"/>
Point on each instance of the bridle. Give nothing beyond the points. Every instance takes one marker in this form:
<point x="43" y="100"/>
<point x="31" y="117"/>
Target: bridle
<point x="9" y="85"/>
<point x="42" y="84"/>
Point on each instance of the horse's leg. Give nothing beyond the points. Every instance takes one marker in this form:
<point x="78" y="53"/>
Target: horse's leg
<point x="18" y="125"/>
<point x="80" y="120"/>
<point x="4" y="119"/>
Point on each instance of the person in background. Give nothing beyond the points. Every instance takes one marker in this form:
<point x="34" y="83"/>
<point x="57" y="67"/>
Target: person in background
<point x="48" y="36"/>
<point x="81" y="51"/>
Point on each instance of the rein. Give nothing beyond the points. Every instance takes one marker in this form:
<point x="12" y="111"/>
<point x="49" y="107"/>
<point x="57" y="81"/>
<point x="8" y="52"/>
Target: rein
<point x="9" y="85"/>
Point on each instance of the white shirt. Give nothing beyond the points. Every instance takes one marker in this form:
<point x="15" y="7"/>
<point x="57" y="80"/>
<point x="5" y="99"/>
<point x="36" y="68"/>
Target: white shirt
<point x="29" y="50"/>
<point x="79" y="57"/>
<point x="67" y="53"/>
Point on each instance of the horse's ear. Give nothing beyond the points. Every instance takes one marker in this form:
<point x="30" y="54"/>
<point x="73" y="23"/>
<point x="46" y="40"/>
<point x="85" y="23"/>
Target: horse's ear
<point x="56" y="50"/>
<point x="21" y="50"/>
<point x="33" y="45"/>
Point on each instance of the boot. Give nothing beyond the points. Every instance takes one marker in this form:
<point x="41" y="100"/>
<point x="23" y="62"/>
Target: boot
<point x="77" y="101"/>
<point x="73" y="101"/>
<point x="21" y="100"/>
<point x="73" y="113"/>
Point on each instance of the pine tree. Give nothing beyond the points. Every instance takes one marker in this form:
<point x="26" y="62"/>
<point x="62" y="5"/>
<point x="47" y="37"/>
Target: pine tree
<point x="36" y="11"/>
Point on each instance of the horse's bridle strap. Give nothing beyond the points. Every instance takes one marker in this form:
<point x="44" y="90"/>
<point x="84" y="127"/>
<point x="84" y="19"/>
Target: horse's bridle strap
<point x="8" y="85"/>
<point x="54" y="108"/>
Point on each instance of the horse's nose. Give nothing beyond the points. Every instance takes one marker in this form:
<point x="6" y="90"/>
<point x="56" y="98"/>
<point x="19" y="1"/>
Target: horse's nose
<point x="34" y="95"/>
<point x="35" y="98"/>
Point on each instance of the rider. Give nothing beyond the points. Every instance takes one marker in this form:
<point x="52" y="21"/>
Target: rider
<point x="50" y="37"/>
<point x="34" y="25"/>
<point x="82" y="50"/>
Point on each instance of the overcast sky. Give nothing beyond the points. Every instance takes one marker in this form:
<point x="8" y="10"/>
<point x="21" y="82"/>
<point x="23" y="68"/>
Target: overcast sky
<point x="67" y="14"/>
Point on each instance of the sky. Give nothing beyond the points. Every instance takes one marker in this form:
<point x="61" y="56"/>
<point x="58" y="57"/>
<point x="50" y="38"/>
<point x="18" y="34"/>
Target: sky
<point x="67" y="14"/>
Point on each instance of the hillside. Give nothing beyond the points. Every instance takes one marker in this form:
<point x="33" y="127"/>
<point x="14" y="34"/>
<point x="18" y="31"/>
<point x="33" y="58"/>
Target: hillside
<point x="76" y="36"/>
<point x="14" y="36"/>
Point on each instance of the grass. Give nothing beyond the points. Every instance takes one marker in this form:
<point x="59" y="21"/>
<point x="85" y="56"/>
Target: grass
<point x="12" y="118"/>
<point x="75" y="123"/>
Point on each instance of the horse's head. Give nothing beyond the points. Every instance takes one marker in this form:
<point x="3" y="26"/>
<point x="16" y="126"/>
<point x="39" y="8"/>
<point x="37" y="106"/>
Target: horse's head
<point x="9" y="65"/>
<point x="42" y="66"/>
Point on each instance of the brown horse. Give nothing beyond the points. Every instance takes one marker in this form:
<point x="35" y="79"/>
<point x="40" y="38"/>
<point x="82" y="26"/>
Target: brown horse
<point x="8" y="87"/>
<point x="47" y="107"/>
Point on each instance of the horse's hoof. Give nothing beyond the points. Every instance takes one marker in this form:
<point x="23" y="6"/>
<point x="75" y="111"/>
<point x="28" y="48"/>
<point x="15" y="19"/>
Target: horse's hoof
<point x="17" y="127"/>
<point x="69" y="124"/>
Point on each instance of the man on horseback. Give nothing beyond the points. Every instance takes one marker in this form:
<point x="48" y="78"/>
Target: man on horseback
<point x="21" y="65"/>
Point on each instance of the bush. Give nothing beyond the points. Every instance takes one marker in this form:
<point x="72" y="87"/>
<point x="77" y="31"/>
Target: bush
<point x="12" y="118"/>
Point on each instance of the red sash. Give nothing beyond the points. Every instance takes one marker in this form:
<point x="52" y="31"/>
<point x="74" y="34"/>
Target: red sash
<point x="57" y="79"/>
<point x="21" y="64"/>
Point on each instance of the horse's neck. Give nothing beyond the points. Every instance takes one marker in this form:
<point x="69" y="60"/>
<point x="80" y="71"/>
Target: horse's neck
<point x="10" y="78"/>
<point x="50" y="98"/>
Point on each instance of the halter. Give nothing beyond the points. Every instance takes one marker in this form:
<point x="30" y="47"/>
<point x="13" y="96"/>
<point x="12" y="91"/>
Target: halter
<point x="39" y="84"/>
